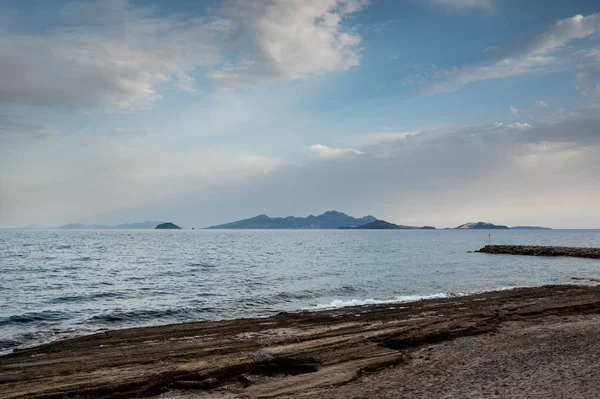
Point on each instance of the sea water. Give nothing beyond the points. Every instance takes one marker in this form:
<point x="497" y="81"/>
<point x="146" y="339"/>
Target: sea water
<point x="60" y="283"/>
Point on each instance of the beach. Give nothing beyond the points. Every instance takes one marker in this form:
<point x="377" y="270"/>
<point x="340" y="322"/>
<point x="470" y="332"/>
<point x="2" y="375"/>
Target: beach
<point x="525" y="342"/>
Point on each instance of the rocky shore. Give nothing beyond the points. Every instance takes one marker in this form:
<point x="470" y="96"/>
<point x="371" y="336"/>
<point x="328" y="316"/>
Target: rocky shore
<point x="524" y="342"/>
<point x="536" y="250"/>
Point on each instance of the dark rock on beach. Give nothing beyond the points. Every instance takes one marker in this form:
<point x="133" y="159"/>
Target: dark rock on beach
<point x="536" y="250"/>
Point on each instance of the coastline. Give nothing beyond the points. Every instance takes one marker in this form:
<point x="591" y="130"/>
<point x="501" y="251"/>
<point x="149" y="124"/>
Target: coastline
<point x="279" y="355"/>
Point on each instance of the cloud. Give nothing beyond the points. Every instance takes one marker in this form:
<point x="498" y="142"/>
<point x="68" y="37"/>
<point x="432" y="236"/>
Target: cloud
<point x="538" y="55"/>
<point x="294" y="40"/>
<point x="118" y="59"/>
<point x="519" y="125"/>
<point x="114" y="62"/>
<point x="370" y="139"/>
<point x="15" y="129"/>
<point x="464" y="4"/>
<point x="588" y="80"/>
<point x="514" y="110"/>
<point x="588" y="83"/>
<point x="541" y="103"/>
<point x="327" y="152"/>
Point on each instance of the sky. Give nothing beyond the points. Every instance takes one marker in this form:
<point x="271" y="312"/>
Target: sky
<point x="420" y="112"/>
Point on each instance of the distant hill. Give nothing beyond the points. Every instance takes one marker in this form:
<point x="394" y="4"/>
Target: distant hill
<point x="481" y="226"/>
<point x="530" y="228"/>
<point x="383" y="225"/>
<point x="167" y="226"/>
<point x="143" y="225"/>
<point x="328" y="220"/>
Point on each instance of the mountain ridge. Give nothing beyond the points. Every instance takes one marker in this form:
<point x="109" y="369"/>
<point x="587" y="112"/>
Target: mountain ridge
<point x="327" y="220"/>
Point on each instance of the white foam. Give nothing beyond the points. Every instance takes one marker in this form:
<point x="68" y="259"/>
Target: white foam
<point x="338" y="303"/>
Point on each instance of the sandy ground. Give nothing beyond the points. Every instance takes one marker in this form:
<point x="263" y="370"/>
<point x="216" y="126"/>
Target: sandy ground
<point x="530" y="343"/>
<point x="557" y="357"/>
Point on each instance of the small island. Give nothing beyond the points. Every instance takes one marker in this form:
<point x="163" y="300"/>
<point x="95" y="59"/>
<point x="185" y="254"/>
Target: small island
<point x="167" y="226"/>
<point x="481" y="226"/>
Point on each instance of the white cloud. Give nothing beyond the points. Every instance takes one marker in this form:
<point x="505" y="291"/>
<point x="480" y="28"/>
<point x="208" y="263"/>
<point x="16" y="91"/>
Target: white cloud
<point x="327" y="152"/>
<point x="536" y="56"/>
<point x="514" y="110"/>
<point x="464" y="4"/>
<point x="370" y="139"/>
<point x="118" y="59"/>
<point x="294" y="39"/>
<point x="115" y="62"/>
<point x="519" y="125"/>
<point x="542" y="103"/>
<point x="16" y="129"/>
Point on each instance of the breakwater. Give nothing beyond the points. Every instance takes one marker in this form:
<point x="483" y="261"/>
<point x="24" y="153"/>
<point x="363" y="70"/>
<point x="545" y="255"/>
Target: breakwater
<point x="539" y="250"/>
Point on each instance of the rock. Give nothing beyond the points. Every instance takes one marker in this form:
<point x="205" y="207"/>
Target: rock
<point x="536" y="250"/>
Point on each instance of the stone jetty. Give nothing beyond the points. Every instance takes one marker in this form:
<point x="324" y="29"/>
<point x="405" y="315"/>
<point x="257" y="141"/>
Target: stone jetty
<point x="538" y="250"/>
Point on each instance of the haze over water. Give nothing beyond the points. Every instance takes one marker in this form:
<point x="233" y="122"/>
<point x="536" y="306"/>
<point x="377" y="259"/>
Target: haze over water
<point x="58" y="283"/>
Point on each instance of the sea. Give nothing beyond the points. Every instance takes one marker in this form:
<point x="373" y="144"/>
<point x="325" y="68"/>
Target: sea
<point x="56" y="284"/>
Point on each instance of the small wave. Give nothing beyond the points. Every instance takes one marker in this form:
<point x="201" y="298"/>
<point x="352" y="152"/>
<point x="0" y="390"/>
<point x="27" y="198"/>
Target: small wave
<point x="291" y="296"/>
<point x="346" y="289"/>
<point x="32" y="318"/>
<point x="85" y="298"/>
<point x="202" y="265"/>
<point x="145" y="315"/>
<point x="338" y="303"/>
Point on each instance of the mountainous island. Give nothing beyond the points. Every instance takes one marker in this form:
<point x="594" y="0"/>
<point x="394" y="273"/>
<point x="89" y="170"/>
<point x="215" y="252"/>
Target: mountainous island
<point x="383" y="225"/>
<point x="328" y="220"/>
<point x="167" y="226"/>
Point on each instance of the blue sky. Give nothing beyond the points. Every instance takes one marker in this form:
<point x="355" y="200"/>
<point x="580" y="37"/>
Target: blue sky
<point x="421" y="112"/>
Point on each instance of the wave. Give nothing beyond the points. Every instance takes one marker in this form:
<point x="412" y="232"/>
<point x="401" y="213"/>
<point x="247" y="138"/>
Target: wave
<point x="90" y="297"/>
<point x="47" y="315"/>
<point x="148" y="315"/>
<point x="338" y="303"/>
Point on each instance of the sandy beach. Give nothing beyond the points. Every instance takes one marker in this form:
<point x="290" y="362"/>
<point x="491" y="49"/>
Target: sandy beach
<point x="529" y="342"/>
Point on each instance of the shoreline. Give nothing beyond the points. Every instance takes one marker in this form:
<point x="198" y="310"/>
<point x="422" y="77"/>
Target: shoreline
<point x="60" y="336"/>
<point x="277" y="355"/>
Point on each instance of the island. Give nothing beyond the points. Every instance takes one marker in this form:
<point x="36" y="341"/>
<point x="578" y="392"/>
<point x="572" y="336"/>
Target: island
<point x="383" y="225"/>
<point x="328" y="220"/>
<point x="481" y="226"/>
<point x="168" y="226"/>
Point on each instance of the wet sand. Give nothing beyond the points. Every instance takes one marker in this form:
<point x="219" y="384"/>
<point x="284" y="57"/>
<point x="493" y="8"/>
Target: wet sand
<point x="531" y="342"/>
